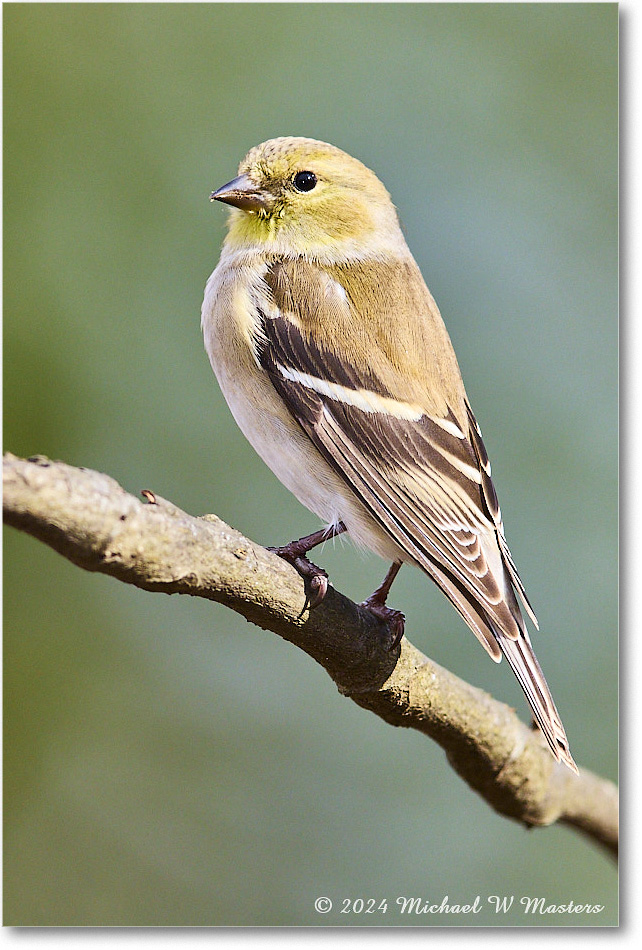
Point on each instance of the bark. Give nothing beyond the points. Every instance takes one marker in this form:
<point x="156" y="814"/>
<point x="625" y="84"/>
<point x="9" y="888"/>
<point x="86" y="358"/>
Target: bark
<point x="87" y="517"/>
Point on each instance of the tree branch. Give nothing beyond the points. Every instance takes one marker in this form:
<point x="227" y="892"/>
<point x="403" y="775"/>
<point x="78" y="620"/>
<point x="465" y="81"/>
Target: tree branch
<point x="92" y="521"/>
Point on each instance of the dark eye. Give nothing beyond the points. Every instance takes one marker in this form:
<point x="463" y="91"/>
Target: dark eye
<point x="304" y="181"/>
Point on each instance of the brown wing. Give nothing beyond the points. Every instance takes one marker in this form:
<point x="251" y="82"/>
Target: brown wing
<point x="424" y="478"/>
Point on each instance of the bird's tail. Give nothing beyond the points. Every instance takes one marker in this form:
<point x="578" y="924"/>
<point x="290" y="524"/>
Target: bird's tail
<point x="524" y="665"/>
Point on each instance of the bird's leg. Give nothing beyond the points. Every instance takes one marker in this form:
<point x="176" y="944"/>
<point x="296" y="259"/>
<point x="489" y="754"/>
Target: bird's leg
<point x="295" y="553"/>
<point x="376" y="604"/>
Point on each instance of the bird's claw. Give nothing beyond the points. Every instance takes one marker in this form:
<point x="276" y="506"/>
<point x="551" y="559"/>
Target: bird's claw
<point x="393" y="619"/>
<point x="316" y="579"/>
<point x="318" y="588"/>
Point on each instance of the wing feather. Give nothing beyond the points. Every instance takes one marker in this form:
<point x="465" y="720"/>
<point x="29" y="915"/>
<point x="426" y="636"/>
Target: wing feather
<point x="424" y="478"/>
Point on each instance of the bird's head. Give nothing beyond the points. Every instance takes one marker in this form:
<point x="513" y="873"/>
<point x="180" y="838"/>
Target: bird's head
<point x="300" y="196"/>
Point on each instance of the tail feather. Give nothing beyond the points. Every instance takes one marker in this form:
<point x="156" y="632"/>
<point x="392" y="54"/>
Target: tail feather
<point x="524" y="665"/>
<point x="493" y="631"/>
<point x="514" y="643"/>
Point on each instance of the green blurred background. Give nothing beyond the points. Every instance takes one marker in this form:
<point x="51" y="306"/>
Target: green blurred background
<point x="166" y="762"/>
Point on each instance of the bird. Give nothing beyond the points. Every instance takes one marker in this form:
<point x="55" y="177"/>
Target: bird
<point x="336" y="364"/>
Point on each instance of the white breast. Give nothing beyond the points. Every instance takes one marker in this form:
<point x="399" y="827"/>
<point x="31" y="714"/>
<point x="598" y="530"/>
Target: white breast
<point x="229" y="319"/>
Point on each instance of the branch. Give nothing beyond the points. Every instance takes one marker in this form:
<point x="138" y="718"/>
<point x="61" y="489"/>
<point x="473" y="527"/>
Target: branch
<point x="92" y="521"/>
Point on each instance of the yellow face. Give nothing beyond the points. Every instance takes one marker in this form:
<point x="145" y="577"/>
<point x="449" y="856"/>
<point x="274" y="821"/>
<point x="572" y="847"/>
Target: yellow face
<point x="305" y="194"/>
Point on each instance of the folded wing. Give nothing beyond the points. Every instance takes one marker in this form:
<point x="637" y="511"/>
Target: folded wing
<point x="424" y="477"/>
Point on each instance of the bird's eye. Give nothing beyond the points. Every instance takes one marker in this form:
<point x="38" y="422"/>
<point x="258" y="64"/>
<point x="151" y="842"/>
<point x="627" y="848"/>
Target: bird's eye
<point x="304" y="181"/>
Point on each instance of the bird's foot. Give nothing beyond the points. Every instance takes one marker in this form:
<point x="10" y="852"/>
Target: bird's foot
<point x="376" y="605"/>
<point x="316" y="579"/>
<point x="394" y="619"/>
<point x="295" y="553"/>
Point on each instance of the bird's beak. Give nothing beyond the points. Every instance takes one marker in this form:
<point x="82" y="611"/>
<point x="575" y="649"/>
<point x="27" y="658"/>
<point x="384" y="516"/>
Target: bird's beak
<point x="243" y="193"/>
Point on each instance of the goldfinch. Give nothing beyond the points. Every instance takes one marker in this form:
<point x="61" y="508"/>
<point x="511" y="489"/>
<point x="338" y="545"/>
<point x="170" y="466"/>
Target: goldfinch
<point x="336" y="364"/>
